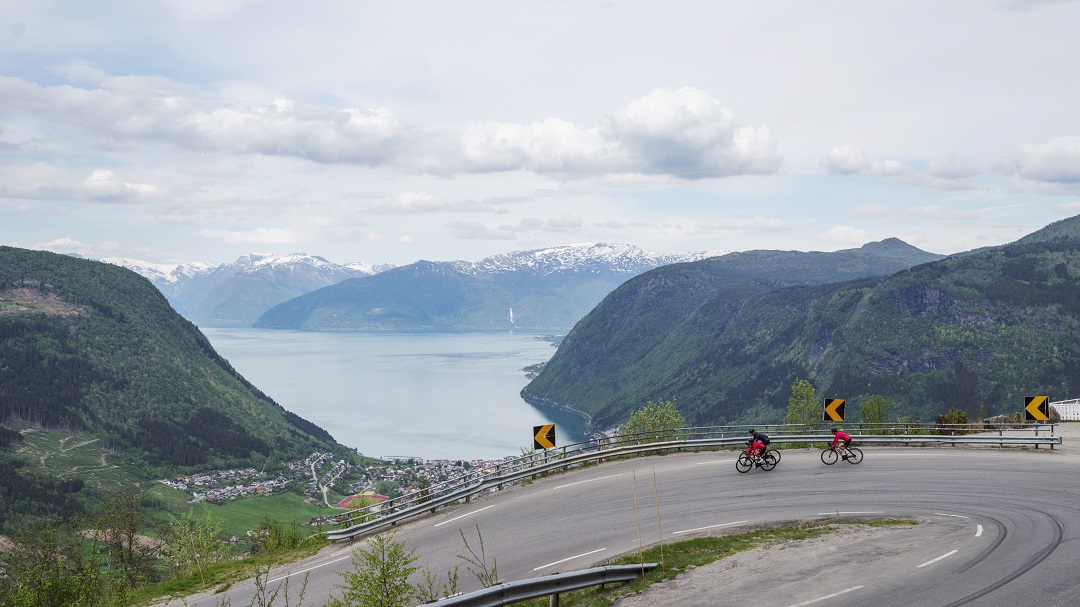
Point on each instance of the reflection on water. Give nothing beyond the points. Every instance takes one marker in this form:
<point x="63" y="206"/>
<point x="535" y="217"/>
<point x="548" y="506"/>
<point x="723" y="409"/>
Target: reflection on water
<point x="428" y="395"/>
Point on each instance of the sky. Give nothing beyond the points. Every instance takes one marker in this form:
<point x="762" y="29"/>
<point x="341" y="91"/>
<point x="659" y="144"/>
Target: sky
<point x="172" y="131"/>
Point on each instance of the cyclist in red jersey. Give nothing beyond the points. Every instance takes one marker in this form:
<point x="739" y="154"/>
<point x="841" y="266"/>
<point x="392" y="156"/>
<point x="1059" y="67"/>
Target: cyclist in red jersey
<point x="843" y="439"/>
<point x="755" y="450"/>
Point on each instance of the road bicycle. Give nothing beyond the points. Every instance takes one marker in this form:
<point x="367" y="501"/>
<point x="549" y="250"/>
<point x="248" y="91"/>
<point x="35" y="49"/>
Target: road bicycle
<point x="766" y="461"/>
<point x="832" y="454"/>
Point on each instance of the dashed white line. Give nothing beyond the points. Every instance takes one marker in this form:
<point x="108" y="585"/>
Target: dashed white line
<point x="847" y="512"/>
<point x="464" y="515"/>
<point x="308" y="569"/>
<point x="952" y="515"/>
<point x="947" y="554"/>
<point x="978" y="530"/>
<point x="717" y="461"/>
<point x="588" y="481"/>
<point x="570" y="558"/>
<point x="709" y="527"/>
<point x="822" y="598"/>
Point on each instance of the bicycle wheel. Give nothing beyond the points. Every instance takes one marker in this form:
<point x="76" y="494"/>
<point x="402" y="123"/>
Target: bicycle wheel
<point x="854" y="455"/>
<point x="829" y="457"/>
<point x="768" y="462"/>
<point x="744" y="463"/>
<point x="775" y="454"/>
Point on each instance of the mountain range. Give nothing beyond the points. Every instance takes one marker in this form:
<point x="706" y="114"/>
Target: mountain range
<point x="727" y="337"/>
<point x="236" y="294"/>
<point x="544" y="289"/>
<point x="549" y="289"/>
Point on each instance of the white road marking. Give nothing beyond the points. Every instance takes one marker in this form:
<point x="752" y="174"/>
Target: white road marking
<point x="308" y="569"/>
<point x="947" y="554"/>
<point x="718" y="461"/>
<point x="952" y="515"/>
<point x="588" y="481"/>
<point x="843" y="512"/>
<point x="978" y="530"/>
<point x="464" y="515"/>
<point x="710" y="527"/>
<point x="569" y="559"/>
<point x="812" y="601"/>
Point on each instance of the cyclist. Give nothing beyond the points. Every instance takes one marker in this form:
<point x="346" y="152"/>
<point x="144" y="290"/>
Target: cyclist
<point x="758" y="436"/>
<point x="843" y="439"/>
<point x="756" y="449"/>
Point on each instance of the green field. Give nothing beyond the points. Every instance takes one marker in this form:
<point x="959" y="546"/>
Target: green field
<point x="70" y="455"/>
<point x="239" y="516"/>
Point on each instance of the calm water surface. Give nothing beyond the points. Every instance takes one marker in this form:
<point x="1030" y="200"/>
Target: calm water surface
<point x="429" y="395"/>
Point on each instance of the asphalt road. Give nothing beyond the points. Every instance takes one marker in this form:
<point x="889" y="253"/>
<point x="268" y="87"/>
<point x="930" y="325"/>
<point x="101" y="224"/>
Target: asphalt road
<point x="998" y="528"/>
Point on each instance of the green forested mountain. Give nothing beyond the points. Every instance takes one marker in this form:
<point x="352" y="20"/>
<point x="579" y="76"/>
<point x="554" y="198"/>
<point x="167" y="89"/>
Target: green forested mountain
<point x="95" y="348"/>
<point x="975" y="331"/>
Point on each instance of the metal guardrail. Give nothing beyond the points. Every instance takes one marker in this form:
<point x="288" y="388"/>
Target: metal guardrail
<point x="551" y="585"/>
<point x="461" y="488"/>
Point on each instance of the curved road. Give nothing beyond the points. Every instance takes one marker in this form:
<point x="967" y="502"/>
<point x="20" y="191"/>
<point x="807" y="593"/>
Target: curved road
<point x="999" y="527"/>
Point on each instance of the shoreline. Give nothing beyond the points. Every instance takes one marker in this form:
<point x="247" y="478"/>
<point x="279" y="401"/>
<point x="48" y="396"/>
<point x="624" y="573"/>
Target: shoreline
<point x="540" y="401"/>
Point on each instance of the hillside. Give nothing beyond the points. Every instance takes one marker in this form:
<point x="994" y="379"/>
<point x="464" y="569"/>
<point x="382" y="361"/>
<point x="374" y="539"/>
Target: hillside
<point x="93" y="348"/>
<point x="546" y="289"/>
<point x="725" y="336"/>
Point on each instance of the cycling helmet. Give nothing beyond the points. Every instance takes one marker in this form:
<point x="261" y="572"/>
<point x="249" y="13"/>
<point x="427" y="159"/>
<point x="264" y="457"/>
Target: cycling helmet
<point x="834" y="430"/>
<point x="750" y="431"/>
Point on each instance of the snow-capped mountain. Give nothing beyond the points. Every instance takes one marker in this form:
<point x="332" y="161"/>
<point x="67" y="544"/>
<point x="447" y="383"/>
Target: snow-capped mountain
<point x="548" y="287"/>
<point x="540" y="289"/>
<point x="163" y="273"/>
<point x="237" y="293"/>
<point x="594" y="258"/>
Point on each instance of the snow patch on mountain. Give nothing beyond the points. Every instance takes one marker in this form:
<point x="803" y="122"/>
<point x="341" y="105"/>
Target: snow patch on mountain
<point x="588" y="257"/>
<point x="162" y="273"/>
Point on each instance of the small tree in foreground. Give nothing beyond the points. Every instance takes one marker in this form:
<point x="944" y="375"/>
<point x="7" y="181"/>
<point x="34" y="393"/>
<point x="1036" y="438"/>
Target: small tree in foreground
<point x="192" y="545"/>
<point x="380" y="575"/>
<point x="803" y="407"/>
<point x="654" y="422"/>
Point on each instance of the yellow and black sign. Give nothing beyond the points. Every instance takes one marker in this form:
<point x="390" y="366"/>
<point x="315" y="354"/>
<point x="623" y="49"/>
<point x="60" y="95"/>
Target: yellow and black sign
<point x="1036" y="408"/>
<point x="544" y="436"/>
<point x="834" y="410"/>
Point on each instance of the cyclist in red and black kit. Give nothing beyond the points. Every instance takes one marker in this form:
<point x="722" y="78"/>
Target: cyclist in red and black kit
<point x="843" y="439"/>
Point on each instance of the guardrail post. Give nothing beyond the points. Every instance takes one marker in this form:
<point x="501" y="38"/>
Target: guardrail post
<point x="554" y="600"/>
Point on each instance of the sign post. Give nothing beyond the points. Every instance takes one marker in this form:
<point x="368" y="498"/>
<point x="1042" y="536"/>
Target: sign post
<point x="544" y="437"/>
<point x="1036" y="408"/>
<point x="834" y="410"/>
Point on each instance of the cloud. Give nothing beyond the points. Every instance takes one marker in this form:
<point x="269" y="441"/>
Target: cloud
<point x="845" y="160"/>
<point x="682" y="133"/>
<point x="850" y="160"/>
<point x="948" y="173"/>
<point x="407" y="203"/>
<point x="1068" y="208"/>
<point x="879" y="211"/>
<point x="44" y="181"/>
<point x="66" y="245"/>
<point x="255" y="236"/>
<point x="475" y="230"/>
<point x="1023" y="5"/>
<point x="1056" y="161"/>
<point x="845" y="235"/>
<point x="158" y="110"/>
<point x="754" y="224"/>
<point x="105" y="184"/>
<point x="952" y="166"/>
<point x="689" y="134"/>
